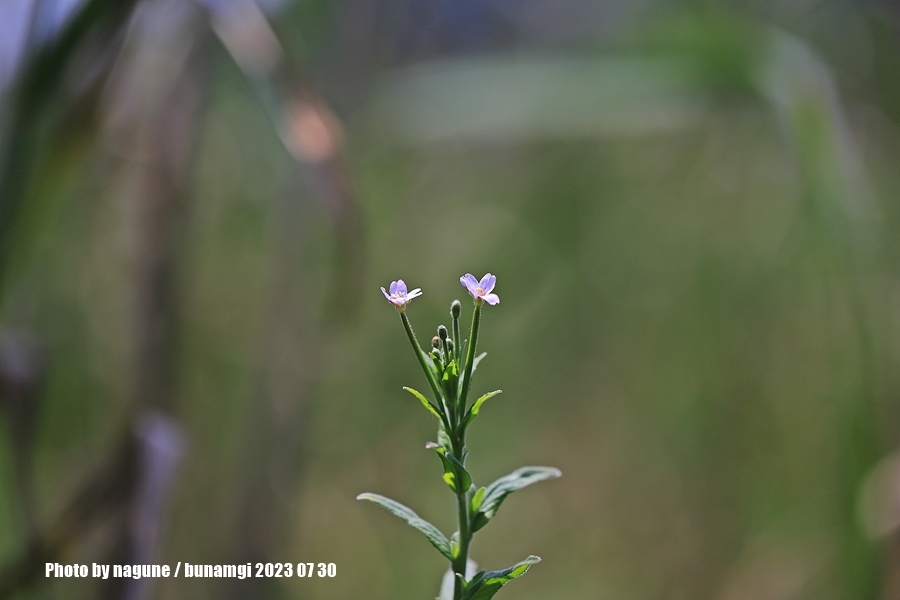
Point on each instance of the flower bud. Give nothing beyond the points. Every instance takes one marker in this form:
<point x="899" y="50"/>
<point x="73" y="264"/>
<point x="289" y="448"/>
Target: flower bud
<point x="455" y="309"/>
<point x="442" y="332"/>
<point x="436" y="342"/>
<point x="450" y="345"/>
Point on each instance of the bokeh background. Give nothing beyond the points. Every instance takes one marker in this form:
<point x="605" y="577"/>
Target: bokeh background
<point x="692" y="211"/>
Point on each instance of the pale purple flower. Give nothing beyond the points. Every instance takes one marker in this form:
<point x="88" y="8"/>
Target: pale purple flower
<point x="481" y="290"/>
<point x="398" y="295"/>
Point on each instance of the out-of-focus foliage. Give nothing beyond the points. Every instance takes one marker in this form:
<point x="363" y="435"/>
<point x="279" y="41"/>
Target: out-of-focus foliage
<point x="691" y="212"/>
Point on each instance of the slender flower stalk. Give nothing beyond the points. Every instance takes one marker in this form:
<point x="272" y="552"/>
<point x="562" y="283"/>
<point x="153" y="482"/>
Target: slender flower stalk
<point x="459" y="565"/>
<point x="474" y="506"/>
<point x="470" y="358"/>
<point x="423" y="361"/>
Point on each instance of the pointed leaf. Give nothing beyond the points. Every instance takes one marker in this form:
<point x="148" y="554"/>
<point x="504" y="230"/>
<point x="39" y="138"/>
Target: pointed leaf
<point x="425" y="402"/>
<point x="484" y="585"/>
<point x="477" y="499"/>
<point x="438" y="364"/>
<point x="434" y="535"/>
<point x="432" y="365"/>
<point x="473" y="583"/>
<point x="476" y="406"/>
<point x="450" y="379"/>
<point x="464" y="474"/>
<point x="467" y="381"/>
<point x="452" y="467"/>
<point x="451" y="372"/>
<point x="500" y="489"/>
<point x="477" y="360"/>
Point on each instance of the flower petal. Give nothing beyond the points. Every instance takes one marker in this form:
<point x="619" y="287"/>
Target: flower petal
<point x="386" y="295"/>
<point x="414" y="294"/>
<point x="491" y="299"/>
<point x="487" y="283"/>
<point x="469" y="282"/>
<point x="393" y="287"/>
<point x="401" y="287"/>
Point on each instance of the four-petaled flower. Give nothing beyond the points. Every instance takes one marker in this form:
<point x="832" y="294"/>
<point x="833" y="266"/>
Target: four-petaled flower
<point x="398" y="295"/>
<point x="481" y="290"/>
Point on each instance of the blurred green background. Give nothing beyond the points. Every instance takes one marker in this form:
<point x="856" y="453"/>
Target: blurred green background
<point x="691" y="210"/>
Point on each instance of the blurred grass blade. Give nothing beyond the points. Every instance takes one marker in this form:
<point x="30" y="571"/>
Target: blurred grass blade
<point x="518" y="98"/>
<point x="804" y="94"/>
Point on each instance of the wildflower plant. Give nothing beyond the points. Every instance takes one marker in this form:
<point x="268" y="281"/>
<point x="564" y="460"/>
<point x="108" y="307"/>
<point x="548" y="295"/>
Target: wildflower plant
<point x="449" y="366"/>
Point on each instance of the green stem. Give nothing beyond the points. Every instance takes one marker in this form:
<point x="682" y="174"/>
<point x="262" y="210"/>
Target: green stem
<point x="456" y="433"/>
<point x="465" y="536"/>
<point x="459" y="450"/>
<point x="435" y="388"/>
<point x="470" y="358"/>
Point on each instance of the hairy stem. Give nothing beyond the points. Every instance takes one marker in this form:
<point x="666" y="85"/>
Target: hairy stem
<point x="462" y="513"/>
<point x="470" y="358"/>
<point x="435" y="388"/>
<point x="459" y="450"/>
<point x="454" y="407"/>
<point x="465" y="536"/>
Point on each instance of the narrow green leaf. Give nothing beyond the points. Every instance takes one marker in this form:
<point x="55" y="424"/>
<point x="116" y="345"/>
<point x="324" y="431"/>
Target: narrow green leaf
<point x="451" y="372"/>
<point x="477" y="499"/>
<point x="430" y="363"/>
<point x="477" y="360"/>
<point x="450" y="380"/>
<point x="476" y="406"/>
<point x="484" y="585"/>
<point x="467" y="381"/>
<point x="452" y="467"/>
<point x="473" y="583"/>
<point x="500" y="489"/>
<point x="466" y="478"/>
<point x="434" y="535"/>
<point x="449" y="476"/>
<point x="425" y="402"/>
